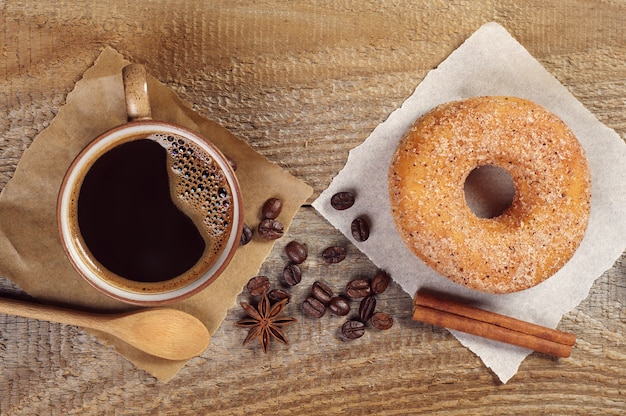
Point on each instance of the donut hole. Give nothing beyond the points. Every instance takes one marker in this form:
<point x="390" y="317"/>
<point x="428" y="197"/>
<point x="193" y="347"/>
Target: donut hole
<point x="489" y="191"/>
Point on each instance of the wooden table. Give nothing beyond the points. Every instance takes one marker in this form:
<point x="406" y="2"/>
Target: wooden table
<point x="303" y="83"/>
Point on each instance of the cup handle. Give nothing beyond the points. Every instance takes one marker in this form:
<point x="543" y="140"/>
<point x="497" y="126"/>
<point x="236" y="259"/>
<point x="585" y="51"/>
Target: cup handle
<point x="136" y="92"/>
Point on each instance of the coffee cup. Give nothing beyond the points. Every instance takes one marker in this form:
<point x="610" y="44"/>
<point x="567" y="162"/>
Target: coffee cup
<point x="149" y="212"/>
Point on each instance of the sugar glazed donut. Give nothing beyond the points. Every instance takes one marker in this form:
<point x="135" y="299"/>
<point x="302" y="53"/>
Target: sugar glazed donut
<point x="528" y="242"/>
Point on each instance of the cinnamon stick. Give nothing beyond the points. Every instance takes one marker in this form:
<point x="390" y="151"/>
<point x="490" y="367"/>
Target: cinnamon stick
<point x="447" y="313"/>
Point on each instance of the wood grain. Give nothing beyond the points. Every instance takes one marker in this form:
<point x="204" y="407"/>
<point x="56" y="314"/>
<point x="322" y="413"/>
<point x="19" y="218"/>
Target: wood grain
<point x="303" y="83"/>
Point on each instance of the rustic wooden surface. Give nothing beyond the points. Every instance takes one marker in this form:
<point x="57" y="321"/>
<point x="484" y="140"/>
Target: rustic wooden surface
<point x="303" y="83"/>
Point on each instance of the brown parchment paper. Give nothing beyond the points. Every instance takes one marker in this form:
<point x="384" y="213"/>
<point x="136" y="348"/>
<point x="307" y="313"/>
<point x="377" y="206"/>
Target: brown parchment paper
<point x="30" y="249"/>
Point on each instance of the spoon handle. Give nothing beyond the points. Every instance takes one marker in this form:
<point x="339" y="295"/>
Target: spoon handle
<point x="33" y="310"/>
<point x="166" y="333"/>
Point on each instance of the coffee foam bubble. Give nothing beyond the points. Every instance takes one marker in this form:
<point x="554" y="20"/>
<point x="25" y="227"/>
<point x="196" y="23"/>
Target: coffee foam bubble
<point x="199" y="188"/>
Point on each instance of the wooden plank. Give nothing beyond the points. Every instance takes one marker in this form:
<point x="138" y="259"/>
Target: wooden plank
<point x="303" y="83"/>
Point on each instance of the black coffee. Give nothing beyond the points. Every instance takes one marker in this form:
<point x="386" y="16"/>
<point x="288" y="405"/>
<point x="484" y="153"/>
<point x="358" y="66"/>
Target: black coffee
<point x="149" y="209"/>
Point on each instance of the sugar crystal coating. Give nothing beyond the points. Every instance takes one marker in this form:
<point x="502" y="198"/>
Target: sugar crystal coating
<point x="529" y="241"/>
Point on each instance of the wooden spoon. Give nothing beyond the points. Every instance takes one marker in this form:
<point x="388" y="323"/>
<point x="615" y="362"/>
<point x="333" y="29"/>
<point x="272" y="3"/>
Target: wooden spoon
<point x="162" y="332"/>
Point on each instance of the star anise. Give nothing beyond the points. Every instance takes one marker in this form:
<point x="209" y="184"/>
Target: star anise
<point x="264" y="322"/>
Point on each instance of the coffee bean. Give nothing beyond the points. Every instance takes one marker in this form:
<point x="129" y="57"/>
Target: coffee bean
<point x="292" y="275"/>
<point x="272" y="208"/>
<point x="270" y="229"/>
<point x="334" y="254"/>
<point x="257" y="285"/>
<point x="321" y="292"/>
<point x="313" y="307"/>
<point x="358" y="288"/>
<point x="339" y="306"/>
<point x="297" y="252"/>
<point x="277" y="295"/>
<point x="246" y="235"/>
<point x="360" y="229"/>
<point x="342" y="200"/>
<point x="367" y="308"/>
<point x="353" y="329"/>
<point x="380" y="282"/>
<point x="381" y="320"/>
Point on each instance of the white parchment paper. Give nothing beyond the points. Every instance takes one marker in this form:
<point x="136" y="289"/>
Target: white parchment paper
<point x="490" y="62"/>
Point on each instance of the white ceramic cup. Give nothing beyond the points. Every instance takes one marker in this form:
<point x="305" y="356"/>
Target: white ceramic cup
<point x="218" y="218"/>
